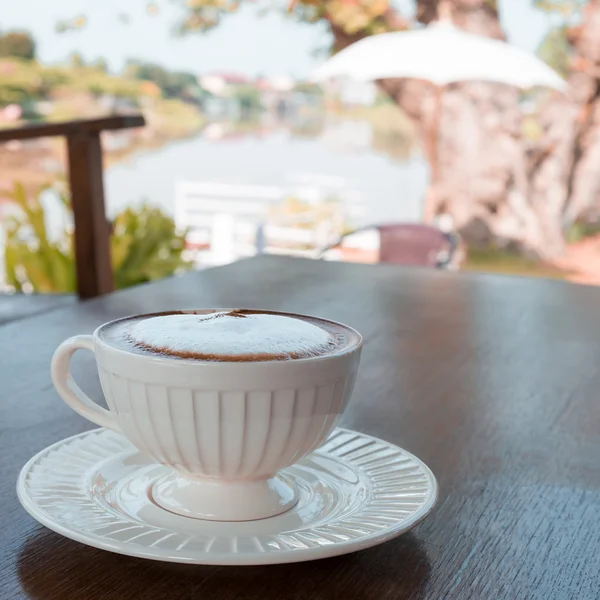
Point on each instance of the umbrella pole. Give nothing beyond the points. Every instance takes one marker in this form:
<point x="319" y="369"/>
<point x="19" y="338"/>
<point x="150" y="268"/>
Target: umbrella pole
<point x="433" y="151"/>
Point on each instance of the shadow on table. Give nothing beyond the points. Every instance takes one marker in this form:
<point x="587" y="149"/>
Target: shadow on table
<point x="54" y="568"/>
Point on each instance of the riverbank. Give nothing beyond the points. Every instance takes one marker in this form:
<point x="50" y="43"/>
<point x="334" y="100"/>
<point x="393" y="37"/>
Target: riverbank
<point x="38" y="163"/>
<point x="392" y="131"/>
<point x="33" y="91"/>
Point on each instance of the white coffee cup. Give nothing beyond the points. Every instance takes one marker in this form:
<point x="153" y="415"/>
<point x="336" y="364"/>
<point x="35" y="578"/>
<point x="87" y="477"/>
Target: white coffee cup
<point x="224" y="428"/>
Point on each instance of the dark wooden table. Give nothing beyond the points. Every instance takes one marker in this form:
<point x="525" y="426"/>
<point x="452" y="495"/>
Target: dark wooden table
<point x="20" y="306"/>
<point x="494" y="382"/>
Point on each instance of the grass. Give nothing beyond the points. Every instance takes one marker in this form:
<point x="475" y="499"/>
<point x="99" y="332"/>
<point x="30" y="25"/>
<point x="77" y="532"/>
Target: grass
<point x="175" y="117"/>
<point x="579" y="231"/>
<point x="505" y="262"/>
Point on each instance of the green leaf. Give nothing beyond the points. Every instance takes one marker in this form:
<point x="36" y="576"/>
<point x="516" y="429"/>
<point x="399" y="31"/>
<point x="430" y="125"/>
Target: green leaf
<point x="144" y="246"/>
<point x="555" y="50"/>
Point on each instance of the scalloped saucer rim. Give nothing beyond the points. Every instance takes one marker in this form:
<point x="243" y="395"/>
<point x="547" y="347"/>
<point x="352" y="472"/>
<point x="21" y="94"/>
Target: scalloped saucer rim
<point x="356" y="491"/>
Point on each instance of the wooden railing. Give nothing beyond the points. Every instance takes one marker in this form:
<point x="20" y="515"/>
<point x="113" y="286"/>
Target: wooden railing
<point x="92" y="230"/>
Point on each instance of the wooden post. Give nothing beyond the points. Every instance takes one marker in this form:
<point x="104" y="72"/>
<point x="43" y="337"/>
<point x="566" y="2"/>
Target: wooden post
<point x="92" y="235"/>
<point x="92" y="231"/>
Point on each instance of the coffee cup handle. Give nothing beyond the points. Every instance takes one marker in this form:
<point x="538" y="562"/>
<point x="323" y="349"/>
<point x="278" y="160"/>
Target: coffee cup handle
<point x="70" y="392"/>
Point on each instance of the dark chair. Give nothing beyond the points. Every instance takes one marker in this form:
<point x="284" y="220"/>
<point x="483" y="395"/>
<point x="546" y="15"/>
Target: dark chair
<point x="412" y="245"/>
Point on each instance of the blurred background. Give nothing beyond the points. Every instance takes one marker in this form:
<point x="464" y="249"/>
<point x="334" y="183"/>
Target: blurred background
<point x="251" y="146"/>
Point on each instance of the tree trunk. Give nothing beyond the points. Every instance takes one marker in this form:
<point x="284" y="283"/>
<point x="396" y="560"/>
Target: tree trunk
<point x="483" y="181"/>
<point x="583" y="175"/>
<point x="563" y="164"/>
<point x="483" y="178"/>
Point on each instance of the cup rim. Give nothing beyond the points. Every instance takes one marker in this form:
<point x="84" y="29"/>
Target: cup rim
<point x="351" y="348"/>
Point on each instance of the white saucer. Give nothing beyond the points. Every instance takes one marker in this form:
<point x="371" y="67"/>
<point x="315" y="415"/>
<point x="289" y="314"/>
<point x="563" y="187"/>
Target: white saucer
<point x="355" y="491"/>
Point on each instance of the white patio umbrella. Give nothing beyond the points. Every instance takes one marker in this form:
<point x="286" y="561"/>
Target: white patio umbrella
<point x="441" y="54"/>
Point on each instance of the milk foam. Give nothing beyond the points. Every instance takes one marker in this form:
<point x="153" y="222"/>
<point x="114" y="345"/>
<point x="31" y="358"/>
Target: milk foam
<point x="233" y="336"/>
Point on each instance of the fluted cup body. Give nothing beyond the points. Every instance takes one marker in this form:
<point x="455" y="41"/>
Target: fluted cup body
<point x="225" y="429"/>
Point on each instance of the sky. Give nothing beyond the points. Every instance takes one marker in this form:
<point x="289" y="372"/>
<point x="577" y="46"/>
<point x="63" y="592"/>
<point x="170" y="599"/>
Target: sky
<point x="246" y="42"/>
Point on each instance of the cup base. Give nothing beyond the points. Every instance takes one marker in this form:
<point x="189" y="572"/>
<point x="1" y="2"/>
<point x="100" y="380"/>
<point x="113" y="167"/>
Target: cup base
<point x="217" y="500"/>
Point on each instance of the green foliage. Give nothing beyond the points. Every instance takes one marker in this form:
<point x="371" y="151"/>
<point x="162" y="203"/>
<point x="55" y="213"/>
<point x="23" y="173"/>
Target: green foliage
<point x="177" y="118"/>
<point x="66" y="92"/>
<point x="351" y="16"/>
<point x="580" y="230"/>
<point x="50" y="77"/>
<point x="567" y="8"/>
<point x="17" y="44"/>
<point x="311" y="89"/>
<point x="74" y="24"/>
<point x="76" y="61"/>
<point x="555" y="50"/>
<point x="95" y="79"/>
<point x="248" y="97"/>
<point x="98" y="83"/>
<point x="31" y="260"/>
<point x="202" y="15"/>
<point x="101" y="65"/>
<point x="144" y="247"/>
<point x="172" y="84"/>
<point x="20" y="83"/>
<point x="23" y="82"/>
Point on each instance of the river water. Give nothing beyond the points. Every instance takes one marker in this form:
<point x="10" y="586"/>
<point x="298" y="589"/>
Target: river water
<point x="391" y="188"/>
